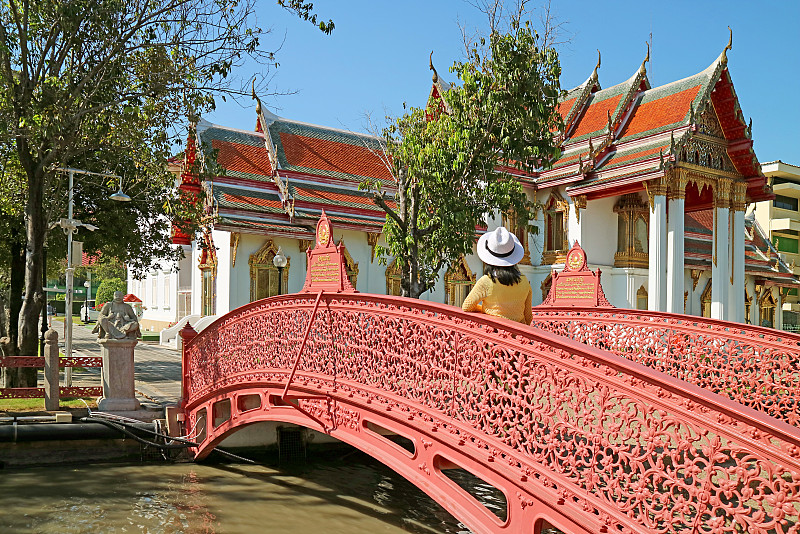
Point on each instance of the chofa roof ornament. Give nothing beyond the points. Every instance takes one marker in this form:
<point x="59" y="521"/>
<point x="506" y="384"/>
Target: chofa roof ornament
<point x="642" y="69"/>
<point x="724" y="56"/>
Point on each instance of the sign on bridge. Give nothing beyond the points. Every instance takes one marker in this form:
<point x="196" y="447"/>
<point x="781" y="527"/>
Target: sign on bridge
<point x="576" y="285"/>
<point x="326" y="270"/>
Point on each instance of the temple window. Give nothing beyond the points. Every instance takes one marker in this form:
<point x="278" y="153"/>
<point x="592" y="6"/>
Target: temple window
<point x="705" y="300"/>
<point x="394" y="277"/>
<point x="264" y="274"/>
<point x="458" y="281"/>
<point x="632" y="232"/>
<point x="520" y="229"/>
<point x="641" y="298"/>
<point x="767" y="309"/>
<point x="555" y="222"/>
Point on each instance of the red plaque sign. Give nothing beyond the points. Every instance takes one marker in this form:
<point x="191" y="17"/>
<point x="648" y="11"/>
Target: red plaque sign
<point x="326" y="271"/>
<point x="576" y="285"/>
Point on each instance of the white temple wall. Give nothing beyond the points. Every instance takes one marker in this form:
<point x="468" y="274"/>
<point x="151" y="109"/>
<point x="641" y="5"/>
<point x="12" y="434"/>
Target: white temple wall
<point x="598" y="232"/>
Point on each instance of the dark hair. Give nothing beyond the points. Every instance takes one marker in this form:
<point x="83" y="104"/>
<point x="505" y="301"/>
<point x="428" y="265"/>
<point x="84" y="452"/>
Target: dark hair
<point x="508" y="276"/>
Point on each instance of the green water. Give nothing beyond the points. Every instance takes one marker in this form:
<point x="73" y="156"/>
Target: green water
<point x="349" y="495"/>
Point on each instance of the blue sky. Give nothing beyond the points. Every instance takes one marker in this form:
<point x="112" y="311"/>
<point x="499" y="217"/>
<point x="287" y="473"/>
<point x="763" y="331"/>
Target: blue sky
<point x="377" y="57"/>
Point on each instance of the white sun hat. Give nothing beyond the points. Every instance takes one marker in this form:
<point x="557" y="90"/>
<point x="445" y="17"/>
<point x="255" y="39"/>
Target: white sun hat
<point x="500" y="248"/>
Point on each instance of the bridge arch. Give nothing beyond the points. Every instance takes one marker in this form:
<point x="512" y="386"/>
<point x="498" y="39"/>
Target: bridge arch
<point x="571" y="434"/>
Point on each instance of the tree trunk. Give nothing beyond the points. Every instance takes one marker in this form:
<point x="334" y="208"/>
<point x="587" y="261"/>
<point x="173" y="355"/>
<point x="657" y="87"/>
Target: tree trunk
<point x="28" y="342"/>
<point x="16" y="286"/>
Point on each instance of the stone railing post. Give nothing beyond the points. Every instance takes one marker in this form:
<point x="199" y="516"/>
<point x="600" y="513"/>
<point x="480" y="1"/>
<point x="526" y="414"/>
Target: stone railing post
<point x="51" y="382"/>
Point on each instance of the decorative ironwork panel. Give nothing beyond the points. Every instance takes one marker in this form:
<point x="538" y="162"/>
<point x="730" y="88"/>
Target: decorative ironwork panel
<point x="757" y="367"/>
<point x="636" y="448"/>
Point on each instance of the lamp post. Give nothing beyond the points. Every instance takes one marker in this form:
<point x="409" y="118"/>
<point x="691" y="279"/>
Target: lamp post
<point x="88" y="285"/>
<point x="279" y="261"/>
<point x="70" y="226"/>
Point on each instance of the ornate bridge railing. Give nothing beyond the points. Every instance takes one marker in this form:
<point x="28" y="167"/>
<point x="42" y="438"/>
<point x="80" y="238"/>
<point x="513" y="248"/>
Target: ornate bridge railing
<point x="591" y="441"/>
<point x="39" y="393"/>
<point x="755" y="366"/>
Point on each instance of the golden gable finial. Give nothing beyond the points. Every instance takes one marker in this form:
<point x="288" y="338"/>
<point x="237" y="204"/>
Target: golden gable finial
<point x="646" y="59"/>
<point x="430" y="63"/>
<point x="729" y="46"/>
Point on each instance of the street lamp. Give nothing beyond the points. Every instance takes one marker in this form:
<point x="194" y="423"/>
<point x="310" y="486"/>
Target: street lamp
<point x="70" y="226"/>
<point x="279" y="261"/>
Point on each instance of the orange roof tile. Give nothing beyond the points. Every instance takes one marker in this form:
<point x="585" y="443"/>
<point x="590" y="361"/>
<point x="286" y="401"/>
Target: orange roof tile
<point x="596" y="117"/>
<point x="336" y="197"/>
<point x="242" y="199"/>
<point x="564" y="107"/>
<point x="661" y="112"/>
<point x="313" y="153"/>
<point x="242" y="158"/>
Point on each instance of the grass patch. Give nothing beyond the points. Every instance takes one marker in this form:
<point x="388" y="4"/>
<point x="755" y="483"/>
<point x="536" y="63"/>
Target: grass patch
<point x="37" y="405"/>
<point x="151" y="337"/>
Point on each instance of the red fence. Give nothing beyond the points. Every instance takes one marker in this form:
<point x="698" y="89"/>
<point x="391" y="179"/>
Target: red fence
<point x="755" y="366"/>
<point x="561" y="427"/>
<point x="39" y="393"/>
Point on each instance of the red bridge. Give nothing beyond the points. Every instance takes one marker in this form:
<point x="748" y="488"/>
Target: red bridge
<point x="593" y="421"/>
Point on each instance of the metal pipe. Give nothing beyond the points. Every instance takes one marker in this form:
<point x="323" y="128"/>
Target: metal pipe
<point x="16" y="432"/>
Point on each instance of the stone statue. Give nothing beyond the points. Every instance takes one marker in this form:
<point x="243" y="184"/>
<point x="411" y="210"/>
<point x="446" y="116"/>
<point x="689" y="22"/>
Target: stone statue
<point x="117" y="320"/>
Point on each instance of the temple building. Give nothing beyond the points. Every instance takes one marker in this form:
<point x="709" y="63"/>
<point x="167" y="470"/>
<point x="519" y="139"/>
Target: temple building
<point x="654" y="183"/>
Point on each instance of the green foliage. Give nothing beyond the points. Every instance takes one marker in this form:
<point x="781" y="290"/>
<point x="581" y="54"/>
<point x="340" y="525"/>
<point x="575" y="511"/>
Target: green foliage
<point x="305" y="10"/>
<point x="105" y="86"/>
<point x="452" y="160"/>
<point x="105" y="293"/>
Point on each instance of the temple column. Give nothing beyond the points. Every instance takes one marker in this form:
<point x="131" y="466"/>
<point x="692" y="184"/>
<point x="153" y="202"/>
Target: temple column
<point x="720" y="265"/>
<point x="675" y="237"/>
<point x="736" y="294"/>
<point x="657" y="249"/>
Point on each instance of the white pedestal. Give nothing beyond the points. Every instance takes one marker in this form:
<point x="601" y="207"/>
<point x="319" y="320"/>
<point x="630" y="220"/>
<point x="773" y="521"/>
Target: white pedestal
<point x="119" y="394"/>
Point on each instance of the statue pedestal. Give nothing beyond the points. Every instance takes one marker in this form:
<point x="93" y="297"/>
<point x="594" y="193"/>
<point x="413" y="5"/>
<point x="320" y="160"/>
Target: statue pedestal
<point x="119" y="394"/>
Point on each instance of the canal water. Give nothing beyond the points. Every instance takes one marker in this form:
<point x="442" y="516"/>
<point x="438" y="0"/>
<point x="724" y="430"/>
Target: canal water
<point x="348" y="494"/>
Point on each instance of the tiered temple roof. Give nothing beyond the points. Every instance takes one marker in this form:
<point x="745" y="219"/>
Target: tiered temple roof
<point x="616" y="139"/>
<point x="279" y="182"/>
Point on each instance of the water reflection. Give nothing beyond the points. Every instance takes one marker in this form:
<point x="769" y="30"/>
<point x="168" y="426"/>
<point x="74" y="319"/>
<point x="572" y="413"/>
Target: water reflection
<point x="347" y="495"/>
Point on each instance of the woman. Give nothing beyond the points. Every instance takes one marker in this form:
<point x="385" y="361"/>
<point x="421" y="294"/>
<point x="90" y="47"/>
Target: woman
<point x="502" y="291"/>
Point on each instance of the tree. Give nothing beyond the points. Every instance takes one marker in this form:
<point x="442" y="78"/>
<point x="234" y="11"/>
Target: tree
<point x="105" y="293"/>
<point x="452" y="160"/>
<point x="100" y="86"/>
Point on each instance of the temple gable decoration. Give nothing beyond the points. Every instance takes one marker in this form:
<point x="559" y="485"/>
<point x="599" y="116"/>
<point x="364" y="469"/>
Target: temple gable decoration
<point x="326" y="267"/>
<point x="576" y="285"/>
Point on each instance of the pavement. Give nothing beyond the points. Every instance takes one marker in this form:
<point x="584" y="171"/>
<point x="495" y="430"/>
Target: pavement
<point x="157" y="369"/>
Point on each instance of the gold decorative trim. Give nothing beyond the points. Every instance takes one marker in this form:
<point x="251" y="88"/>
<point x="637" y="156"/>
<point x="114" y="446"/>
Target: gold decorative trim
<point x="739" y="196"/>
<point x="580" y="204"/>
<point x="722" y="193"/>
<point x="546" y="284"/>
<point x="372" y="241"/>
<point x="677" y="185"/>
<point x="262" y="259"/>
<point x="550" y="257"/>
<point x="695" y="274"/>
<point x="235" y="236"/>
<point x="350" y="265"/>
<point x="459" y="272"/>
<point x="304" y="244"/>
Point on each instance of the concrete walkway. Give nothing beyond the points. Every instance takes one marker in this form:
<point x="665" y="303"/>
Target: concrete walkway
<point x="157" y="369"/>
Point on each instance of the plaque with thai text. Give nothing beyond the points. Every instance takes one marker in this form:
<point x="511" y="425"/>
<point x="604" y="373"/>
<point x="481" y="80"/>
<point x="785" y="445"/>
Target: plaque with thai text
<point x="576" y="285"/>
<point x="325" y="266"/>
